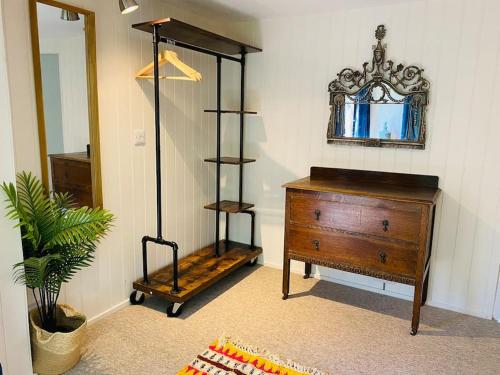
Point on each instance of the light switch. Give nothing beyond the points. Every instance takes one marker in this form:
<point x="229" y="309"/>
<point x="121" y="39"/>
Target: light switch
<point x="139" y="137"/>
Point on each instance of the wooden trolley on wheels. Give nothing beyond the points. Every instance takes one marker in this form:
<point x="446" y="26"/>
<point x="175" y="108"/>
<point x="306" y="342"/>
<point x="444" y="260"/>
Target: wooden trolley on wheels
<point x="186" y="277"/>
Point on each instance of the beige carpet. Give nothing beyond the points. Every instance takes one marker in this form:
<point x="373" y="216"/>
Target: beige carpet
<point x="335" y="328"/>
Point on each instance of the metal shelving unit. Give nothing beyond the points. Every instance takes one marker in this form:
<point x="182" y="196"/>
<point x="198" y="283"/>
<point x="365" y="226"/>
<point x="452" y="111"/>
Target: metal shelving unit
<point x="188" y="276"/>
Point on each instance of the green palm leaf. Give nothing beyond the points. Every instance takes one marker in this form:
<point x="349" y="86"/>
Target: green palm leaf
<point x="31" y="207"/>
<point x="80" y="226"/>
<point x="58" y="239"/>
<point x="33" y="272"/>
<point x="63" y="201"/>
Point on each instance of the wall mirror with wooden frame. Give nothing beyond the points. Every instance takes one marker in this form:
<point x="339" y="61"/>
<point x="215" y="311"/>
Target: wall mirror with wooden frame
<point x="64" y="61"/>
<point x="382" y="105"/>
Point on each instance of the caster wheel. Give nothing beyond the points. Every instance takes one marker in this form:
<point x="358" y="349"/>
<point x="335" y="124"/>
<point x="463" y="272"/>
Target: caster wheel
<point x="174" y="310"/>
<point x="285" y="297"/>
<point x="413" y="333"/>
<point x="134" y="300"/>
<point x="252" y="263"/>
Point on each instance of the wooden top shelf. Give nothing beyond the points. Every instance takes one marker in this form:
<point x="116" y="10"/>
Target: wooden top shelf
<point x="230" y="206"/>
<point x="77" y="156"/>
<point x="231" y="111"/>
<point x="183" y="32"/>
<point x="230" y="160"/>
<point x="384" y="185"/>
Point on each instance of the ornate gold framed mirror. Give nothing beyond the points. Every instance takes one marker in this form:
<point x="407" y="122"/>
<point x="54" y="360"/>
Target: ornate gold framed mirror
<point x="64" y="63"/>
<point x="383" y="105"/>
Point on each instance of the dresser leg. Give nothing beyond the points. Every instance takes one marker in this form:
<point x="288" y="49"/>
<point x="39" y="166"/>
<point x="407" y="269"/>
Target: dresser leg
<point x="307" y="271"/>
<point x="286" y="277"/>
<point x="417" y="302"/>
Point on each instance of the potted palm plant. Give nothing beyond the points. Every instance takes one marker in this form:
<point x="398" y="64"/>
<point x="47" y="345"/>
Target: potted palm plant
<point x="58" y="239"/>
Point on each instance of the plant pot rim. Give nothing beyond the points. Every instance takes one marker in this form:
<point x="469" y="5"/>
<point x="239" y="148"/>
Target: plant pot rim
<point x="77" y="316"/>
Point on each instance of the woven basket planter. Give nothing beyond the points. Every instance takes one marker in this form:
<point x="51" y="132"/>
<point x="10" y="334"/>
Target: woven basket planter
<point x="56" y="353"/>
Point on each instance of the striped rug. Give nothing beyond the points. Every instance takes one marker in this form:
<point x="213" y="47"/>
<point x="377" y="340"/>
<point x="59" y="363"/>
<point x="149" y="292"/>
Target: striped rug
<point x="229" y="357"/>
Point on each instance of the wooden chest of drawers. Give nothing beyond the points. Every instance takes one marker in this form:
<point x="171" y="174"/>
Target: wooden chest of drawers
<point x="72" y="173"/>
<point x="372" y="223"/>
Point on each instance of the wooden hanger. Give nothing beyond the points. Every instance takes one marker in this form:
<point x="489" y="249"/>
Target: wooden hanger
<point x="170" y="57"/>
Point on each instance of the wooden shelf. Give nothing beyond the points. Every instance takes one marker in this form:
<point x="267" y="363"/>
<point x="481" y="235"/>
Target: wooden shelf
<point x="182" y="32"/>
<point x="198" y="271"/>
<point x="231" y="111"/>
<point x="230" y="206"/>
<point x="230" y="160"/>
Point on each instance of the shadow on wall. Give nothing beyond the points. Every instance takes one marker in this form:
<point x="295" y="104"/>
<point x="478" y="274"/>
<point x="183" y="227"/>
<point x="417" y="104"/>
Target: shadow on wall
<point x="261" y="187"/>
<point x="170" y="116"/>
<point x="181" y="161"/>
<point x="271" y="195"/>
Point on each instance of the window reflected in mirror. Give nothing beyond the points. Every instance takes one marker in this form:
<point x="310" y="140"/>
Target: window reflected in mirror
<point x="64" y="81"/>
<point x="385" y="116"/>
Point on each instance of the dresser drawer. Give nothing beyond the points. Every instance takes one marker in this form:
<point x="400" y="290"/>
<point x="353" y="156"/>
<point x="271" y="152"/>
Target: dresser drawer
<point x="383" y="218"/>
<point x="71" y="172"/>
<point x="365" y="253"/>
<point x="310" y="211"/>
<point x="401" y="222"/>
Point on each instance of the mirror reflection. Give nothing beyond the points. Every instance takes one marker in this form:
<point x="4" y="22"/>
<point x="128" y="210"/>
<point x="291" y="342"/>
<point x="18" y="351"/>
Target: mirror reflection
<point x="383" y="104"/>
<point x="65" y="125"/>
<point x="379" y="113"/>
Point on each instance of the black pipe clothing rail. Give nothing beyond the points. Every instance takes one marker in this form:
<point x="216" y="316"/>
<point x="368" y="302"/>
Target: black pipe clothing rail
<point x="186" y="36"/>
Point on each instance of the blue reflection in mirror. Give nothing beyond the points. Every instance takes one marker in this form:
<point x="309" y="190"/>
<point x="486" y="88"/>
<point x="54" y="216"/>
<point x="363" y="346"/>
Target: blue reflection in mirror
<point x="387" y="121"/>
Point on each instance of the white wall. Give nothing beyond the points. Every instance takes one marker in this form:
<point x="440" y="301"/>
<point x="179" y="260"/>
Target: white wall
<point x="188" y="136"/>
<point x="15" y="356"/>
<point x="457" y="42"/>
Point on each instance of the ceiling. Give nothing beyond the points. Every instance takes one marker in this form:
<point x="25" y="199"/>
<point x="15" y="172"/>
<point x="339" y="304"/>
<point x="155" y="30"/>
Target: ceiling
<point x="50" y="24"/>
<point x="261" y="9"/>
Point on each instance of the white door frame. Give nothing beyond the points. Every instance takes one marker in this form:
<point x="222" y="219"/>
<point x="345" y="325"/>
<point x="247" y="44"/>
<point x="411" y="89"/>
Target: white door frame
<point x="15" y="352"/>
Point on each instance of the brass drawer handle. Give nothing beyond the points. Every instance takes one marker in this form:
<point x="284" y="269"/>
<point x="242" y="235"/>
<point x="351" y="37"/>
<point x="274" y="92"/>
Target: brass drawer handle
<point x="317" y="213"/>
<point x="382" y="256"/>
<point x="385" y="223"/>
<point x="316" y="244"/>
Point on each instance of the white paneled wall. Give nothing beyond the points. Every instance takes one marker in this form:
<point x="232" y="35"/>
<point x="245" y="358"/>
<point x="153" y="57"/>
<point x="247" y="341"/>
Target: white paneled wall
<point x="15" y="355"/>
<point x="125" y="104"/>
<point x="457" y="42"/>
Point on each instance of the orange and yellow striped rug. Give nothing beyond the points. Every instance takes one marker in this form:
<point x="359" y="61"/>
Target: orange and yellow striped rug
<point x="230" y="357"/>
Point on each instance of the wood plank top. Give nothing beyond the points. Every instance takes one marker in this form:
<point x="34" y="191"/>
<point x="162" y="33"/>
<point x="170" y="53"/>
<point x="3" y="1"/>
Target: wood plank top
<point x="76" y="156"/>
<point x="230" y="206"/>
<point x="230" y="160"/>
<point x="183" y="32"/>
<point x="199" y="270"/>
<point x="394" y="186"/>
